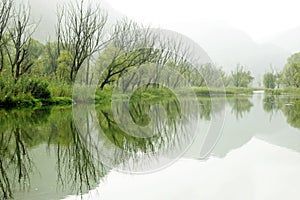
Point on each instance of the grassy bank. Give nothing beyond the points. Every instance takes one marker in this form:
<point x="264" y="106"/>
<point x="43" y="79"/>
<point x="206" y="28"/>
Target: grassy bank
<point x="28" y="101"/>
<point x="33" y="92"/>
<point x="36" y="92"/>
<point x="218" y="91"/>
<point x="282" y="91"/>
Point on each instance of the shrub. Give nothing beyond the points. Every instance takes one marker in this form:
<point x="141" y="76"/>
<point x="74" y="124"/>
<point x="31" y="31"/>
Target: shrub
<point x="61" y="89"/>
<point x="36" y="87"/>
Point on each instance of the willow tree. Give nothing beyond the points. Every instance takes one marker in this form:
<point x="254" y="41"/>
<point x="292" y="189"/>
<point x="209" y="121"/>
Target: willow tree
<point x="80" y="32"/>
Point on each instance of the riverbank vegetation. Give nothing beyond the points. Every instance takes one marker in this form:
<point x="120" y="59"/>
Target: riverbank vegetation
<point x="35" y="73"/>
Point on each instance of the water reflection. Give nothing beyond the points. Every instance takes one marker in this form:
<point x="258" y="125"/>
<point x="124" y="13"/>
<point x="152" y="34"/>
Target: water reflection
<point x="240" y="106"/>
<point x="16" y="138"/>
<point x="270" y="104"/>
<point x="289" y="105"/>
<point x="76" y="167"/>
<point x="23" y="131"/>
<point x="265" y="117"/>
<point x="139" y="136"/>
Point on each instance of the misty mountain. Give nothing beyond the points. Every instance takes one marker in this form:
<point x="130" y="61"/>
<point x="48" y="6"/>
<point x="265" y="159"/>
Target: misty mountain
<point x="289" y="40"/>
<point x="228" y="46"/>
<point x="44" y="12"/>
<point x="225" y="45"/>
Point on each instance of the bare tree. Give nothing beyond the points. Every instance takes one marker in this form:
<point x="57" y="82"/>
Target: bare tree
<point x="132" y="46"/>
<point x="18" y="48"/>
<point x="80" y="31"/>
<point x="5" y="13"/>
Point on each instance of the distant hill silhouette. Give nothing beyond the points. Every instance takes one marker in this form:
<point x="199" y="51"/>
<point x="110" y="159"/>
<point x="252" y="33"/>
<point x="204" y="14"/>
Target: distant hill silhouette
<point x="228" y="46"/>
<point x="225" y="45"/>
<point x="289" y="40"/>
<point x="44" y="12"/>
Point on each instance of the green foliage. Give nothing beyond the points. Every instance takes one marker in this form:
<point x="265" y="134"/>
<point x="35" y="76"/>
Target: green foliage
<point x="152" y="93"/>
<point x="269" y="80"/>
<point x="203" y="91"/>
<point x="50" y="57"/>
<point x="33" y="60"/>
<point x="211" y="76"/>
<point x="61" y="101"/>
<point x="36" y="49"/>
<point x="20" y="101"/>
<point x="291" y="74"/>
<point x="114" y="62"/>
<point x="24" y="92"/>
<point x="273" y="91"/>
<point x="36" y="87"/>
<point x="60" y="89"/>
<point x="240" y="77"/>
<point x="64" y="64"/>
<point x="295" y="58"/>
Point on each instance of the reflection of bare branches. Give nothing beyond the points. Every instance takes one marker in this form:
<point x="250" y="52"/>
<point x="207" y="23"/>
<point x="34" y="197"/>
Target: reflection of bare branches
<point x="16" y="139"/>
<point x="164" y="126"/>
<point x="15" y="161"/>
<point x="21" y="157"/>
<point x="4" y="182"/>
<point x="76" y="165"/>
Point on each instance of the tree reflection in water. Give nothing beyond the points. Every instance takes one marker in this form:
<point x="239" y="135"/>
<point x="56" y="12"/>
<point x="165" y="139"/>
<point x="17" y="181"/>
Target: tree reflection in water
<point x="240" y="105"/>
<point x="140" y="136"/>
<point x="289" y="105"/>
<point x="78" y="168"/>
<point x="16" y="138"/>
<point x="23" y="130"/>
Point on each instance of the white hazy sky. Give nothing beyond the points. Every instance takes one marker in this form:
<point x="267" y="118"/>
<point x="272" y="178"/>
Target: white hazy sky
<point x="258" y="18"/>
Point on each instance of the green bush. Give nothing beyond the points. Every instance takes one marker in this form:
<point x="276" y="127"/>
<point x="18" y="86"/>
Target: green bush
<point x="61" y="89"/>
<point x="23" y="93"/>
<point x="9" y="101"/>
<point x="36" y="87"/>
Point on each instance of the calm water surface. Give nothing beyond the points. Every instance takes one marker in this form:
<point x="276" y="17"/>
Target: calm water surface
<point x="257" y="155"/>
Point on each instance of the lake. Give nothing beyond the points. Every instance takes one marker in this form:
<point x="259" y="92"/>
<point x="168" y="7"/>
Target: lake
<point x="254" y="154"/>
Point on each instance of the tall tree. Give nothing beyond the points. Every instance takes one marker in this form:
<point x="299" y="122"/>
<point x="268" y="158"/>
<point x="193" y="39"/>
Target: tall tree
<point x="291" y="74"/>
<point x="80" y="32"/>
<point x="127" y="51"/>
<point x="5" y="14"/>
<point x="270" y="80"/>
<point x="240" y="77"/>
<point x="18" y="48"/>
<point x="291" y="71"/>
